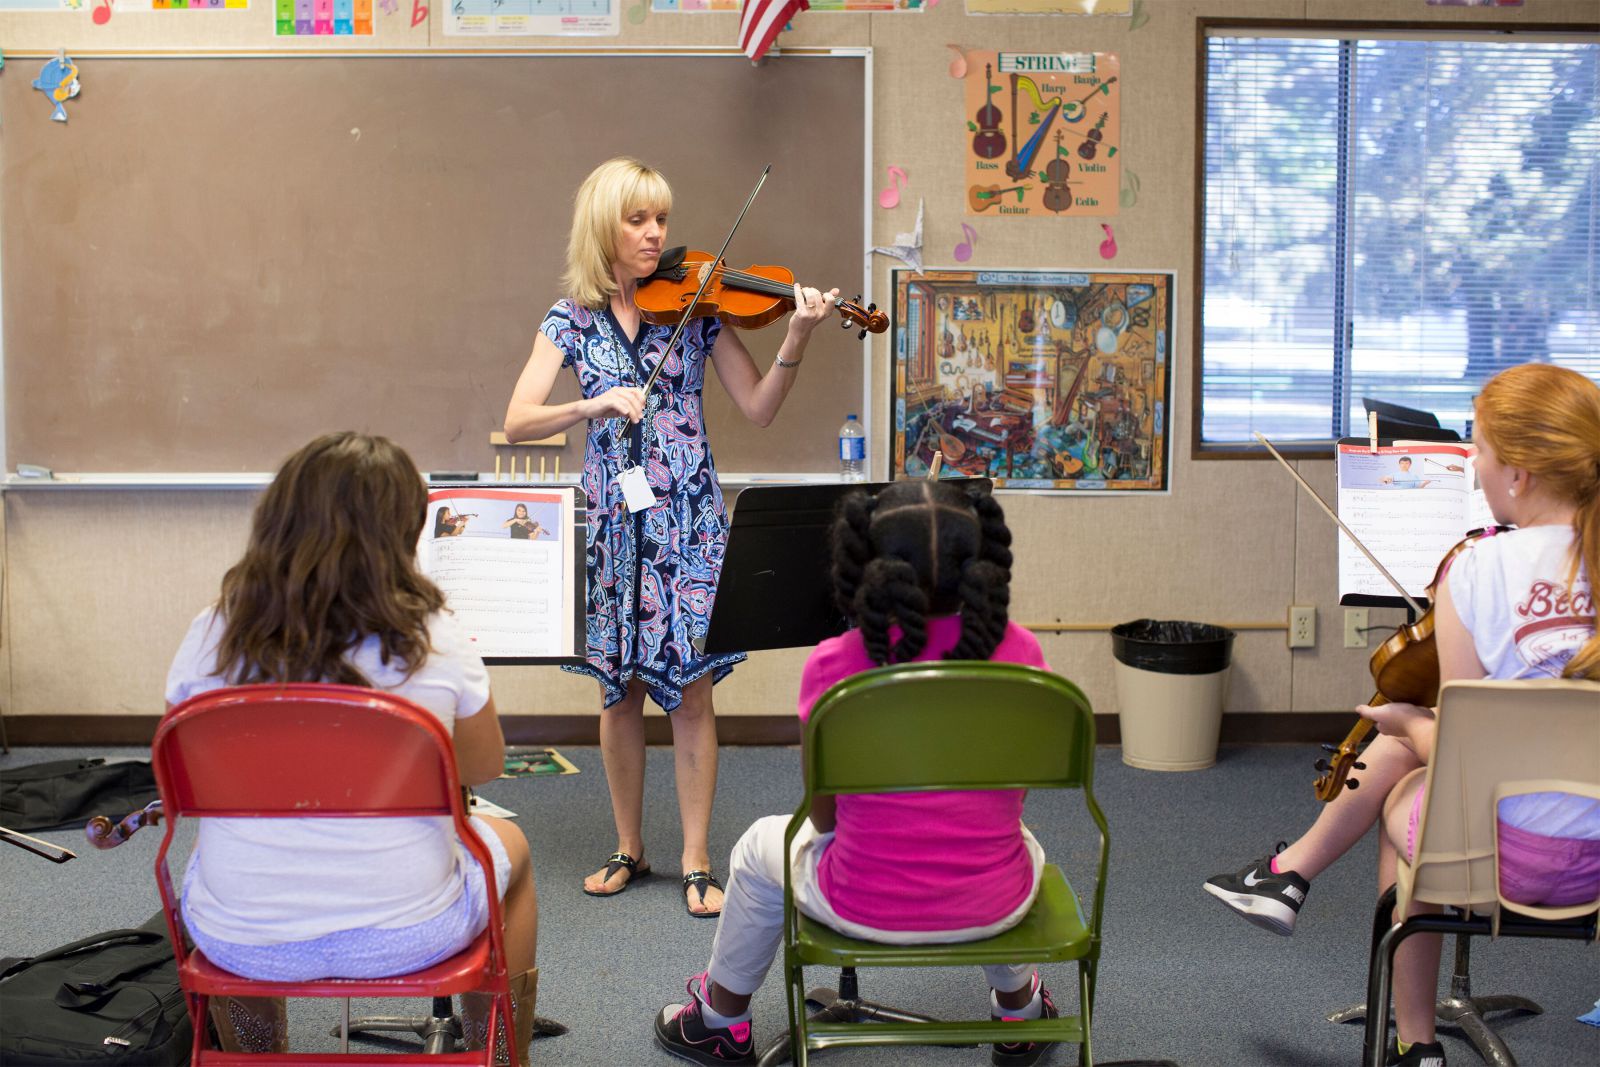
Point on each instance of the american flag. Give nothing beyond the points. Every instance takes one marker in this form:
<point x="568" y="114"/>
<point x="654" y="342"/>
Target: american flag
<point x="760" y="22"/>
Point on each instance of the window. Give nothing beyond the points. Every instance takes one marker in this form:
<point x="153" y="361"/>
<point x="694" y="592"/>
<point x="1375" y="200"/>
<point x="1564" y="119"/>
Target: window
<point x="1394" y="218"/>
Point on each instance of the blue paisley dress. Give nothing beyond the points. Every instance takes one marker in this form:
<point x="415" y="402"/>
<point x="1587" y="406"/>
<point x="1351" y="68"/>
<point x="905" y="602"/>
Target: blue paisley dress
<point x="652" y="576"/>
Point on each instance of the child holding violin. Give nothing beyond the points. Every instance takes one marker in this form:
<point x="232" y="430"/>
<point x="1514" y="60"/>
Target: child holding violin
<point x="328" y="590"/>
<point x="652" y="575"/>
<point x="1518" y="604"/>
<point x="924" y="571"/>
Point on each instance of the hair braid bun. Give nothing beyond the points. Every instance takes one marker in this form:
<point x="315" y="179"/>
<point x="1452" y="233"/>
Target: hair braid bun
<point x="985" y="598"/>
<point x="889" y="593"/>
<point x="996" y="534"/>
<point x="852" y="546"/>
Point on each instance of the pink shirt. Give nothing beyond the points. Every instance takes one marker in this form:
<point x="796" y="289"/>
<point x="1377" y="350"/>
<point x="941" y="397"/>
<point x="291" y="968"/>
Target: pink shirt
<point x="922" y="861"/>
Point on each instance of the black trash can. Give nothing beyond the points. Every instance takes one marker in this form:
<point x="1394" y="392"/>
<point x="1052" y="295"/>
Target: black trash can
<point x="1171" y="676"/>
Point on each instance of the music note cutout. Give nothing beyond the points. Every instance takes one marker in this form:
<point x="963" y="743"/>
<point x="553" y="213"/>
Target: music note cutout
<point x="102" y="12"/>
<point x="638" y="11"/>
<point x="419" y="13"/>
<point x="963" y="250"/>
<point x="1108" y="247"/>
<point x="958" y="65"/>
<point x="890" y="197"/>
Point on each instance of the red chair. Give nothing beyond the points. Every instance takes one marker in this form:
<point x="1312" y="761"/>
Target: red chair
<point x="319" y="751"/>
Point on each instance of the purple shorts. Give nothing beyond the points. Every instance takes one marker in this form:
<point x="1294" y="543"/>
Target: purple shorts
<point x="1536" y="869"/>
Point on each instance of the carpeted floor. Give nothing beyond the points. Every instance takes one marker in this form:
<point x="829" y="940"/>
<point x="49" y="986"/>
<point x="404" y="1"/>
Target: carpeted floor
<point x="1181" y="978"/>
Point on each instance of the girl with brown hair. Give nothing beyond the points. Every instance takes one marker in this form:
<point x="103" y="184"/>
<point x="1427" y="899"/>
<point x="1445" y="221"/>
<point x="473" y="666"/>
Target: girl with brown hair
<point x="328" y="590"/>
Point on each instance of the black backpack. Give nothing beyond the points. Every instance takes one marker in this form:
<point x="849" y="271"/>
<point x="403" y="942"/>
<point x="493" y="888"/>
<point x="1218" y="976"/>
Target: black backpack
<point x="108" y="999"/>
<point x="68" y="793"/>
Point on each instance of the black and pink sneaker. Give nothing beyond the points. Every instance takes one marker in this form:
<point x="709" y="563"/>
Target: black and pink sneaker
<point x="1024" y="1053"/>
<point x="681" y="1029"/>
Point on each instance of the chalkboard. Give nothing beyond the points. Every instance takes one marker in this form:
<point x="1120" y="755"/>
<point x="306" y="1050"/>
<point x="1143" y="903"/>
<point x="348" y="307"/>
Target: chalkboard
<point x="216" y="259"/>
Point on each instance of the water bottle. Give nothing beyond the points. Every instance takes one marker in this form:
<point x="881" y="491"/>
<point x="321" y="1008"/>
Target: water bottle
<point x="852" y="451"/>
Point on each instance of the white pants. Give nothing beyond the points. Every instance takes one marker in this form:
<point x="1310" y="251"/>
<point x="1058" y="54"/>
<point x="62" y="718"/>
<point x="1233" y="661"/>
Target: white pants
<point x="751" y="928"/>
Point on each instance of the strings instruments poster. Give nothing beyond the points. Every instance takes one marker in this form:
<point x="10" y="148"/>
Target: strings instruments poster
<point x="1043" y="133"/>
<point x="1409" y="503"/>
<point x="1037" y="379"/>
<point x="510" y="566"/>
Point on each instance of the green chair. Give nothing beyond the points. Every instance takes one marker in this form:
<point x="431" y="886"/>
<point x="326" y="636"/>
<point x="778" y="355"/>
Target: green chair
<point x="941" y="726"/>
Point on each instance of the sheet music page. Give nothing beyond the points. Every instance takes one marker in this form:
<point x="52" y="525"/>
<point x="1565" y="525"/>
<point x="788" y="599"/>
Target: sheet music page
<point x="1409" y="503"/>
<point x="505" y="559"/>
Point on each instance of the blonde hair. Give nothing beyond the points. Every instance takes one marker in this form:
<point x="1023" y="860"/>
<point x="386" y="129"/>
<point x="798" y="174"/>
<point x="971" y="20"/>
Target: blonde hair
<point x="612" y="190"/>
<point x="1546" y="420"/>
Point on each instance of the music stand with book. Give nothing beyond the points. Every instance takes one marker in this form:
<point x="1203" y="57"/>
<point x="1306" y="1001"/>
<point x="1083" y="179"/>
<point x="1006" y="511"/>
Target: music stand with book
<point x="775" y="590"/>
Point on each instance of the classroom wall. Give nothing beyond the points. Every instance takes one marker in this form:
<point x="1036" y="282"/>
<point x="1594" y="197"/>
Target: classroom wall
<point x="99" y="585"/>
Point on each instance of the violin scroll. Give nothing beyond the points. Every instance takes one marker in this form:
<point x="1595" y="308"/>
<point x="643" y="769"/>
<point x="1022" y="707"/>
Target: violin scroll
<point x="103" y="833"/>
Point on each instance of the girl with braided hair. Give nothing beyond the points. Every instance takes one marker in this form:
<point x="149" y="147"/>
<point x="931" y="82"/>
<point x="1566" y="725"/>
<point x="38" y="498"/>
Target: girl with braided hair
<point x="924" y="571"/>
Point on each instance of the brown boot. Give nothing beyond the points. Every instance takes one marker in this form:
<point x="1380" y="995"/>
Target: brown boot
<point x="475" y="1016"/>
<point x="251" y="1024"/>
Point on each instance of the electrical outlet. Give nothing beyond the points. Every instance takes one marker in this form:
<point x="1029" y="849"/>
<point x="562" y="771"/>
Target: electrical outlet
<point x="1355" y="627"/>
<point x="1302" y="626"/>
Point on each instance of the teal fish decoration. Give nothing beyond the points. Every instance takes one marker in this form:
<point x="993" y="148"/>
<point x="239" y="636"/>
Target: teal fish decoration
<point x="59" y="81"/>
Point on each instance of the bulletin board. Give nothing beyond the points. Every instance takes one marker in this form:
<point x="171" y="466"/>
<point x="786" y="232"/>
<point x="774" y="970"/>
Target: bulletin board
<point x="216" y="259"/>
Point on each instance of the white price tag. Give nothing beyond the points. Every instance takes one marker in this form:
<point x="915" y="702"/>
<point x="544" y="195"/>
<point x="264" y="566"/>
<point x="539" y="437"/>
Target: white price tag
<point x="636" y="490"/>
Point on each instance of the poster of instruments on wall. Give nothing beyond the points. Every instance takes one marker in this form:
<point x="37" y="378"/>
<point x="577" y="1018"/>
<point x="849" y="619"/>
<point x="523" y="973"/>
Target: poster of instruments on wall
<point x="1043" y="133"/>
<point x="1037" y="379"/>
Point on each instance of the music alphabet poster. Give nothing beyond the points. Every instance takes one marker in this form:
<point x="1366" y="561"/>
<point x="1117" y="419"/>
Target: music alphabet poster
<point x="1043" y="133"/>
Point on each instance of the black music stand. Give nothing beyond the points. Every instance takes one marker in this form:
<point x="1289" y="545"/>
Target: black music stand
<point x="775" y="591"/>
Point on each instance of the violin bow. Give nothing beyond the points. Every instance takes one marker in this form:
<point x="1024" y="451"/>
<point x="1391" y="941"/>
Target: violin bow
<point x="1365" y="551"/>
<point x="677" y="331"/>
<point x="52" y="852"/>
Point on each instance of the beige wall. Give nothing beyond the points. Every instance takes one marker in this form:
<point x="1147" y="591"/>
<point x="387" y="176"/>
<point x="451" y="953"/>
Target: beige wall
<point x="99" y="584"/>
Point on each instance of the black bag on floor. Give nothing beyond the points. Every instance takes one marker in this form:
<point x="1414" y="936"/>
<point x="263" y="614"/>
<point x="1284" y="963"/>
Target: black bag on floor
<point x="70" y="792"/>
<point x="108" y="999"/>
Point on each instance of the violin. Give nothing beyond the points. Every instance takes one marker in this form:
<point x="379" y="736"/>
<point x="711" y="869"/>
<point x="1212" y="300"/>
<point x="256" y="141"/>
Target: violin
<point x="103" y="833"/>
<point x="749" y="299"/>
<point x="1092" y="139"/>
<point x="1405" y="670"/>
<point x="988" y="142"/>
<point x="1057" y="194"/>
<point x="1025" y="318"/>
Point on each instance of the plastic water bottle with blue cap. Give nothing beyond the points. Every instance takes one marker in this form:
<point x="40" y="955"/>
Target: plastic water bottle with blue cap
<point x="852" y="451"/>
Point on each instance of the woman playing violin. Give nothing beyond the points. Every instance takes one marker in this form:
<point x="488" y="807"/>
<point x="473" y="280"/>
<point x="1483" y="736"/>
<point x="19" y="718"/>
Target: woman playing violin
<point x="1515" y="605"/>
<point x="652" y="575"/>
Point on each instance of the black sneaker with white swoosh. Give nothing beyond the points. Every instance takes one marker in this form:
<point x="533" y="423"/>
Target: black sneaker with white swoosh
<point x="1270" y="900"/>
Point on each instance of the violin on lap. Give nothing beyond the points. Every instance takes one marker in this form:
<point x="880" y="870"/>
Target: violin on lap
<point x="1405" y="670"/>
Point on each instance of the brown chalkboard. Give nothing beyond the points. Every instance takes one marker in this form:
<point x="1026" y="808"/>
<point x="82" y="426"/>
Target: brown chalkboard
<point x="218" y="258"/>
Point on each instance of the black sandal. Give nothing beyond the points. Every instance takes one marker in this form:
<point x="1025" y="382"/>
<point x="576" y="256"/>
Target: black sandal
<point x="701" y="880"/>
<point x="620" y="861"/>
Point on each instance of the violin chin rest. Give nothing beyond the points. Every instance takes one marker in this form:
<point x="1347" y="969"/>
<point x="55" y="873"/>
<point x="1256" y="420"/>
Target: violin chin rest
<point x="671" y="257"/>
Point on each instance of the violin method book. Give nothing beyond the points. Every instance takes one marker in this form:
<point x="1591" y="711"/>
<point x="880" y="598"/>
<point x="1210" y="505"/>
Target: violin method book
<point x="510" y="563"/>
<point x="1409" y="503"/>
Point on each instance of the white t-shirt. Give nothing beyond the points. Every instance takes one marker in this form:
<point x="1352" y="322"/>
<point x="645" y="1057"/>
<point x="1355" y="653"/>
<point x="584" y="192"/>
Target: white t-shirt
<point x="271" y="881"/>
<point x="1511" y="593"/>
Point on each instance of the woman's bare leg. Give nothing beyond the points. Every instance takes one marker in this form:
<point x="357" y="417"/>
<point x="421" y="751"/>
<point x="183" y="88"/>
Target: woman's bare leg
<point x="622" y="751"/>
<point x="694" y="756"/>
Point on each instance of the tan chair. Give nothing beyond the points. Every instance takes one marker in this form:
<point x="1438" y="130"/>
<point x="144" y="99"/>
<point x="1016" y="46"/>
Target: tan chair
<point x="1495" y="739"/>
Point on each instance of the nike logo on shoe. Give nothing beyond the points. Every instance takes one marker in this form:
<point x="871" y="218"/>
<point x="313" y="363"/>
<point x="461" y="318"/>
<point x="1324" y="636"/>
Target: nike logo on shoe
<point x="1251" y="880"/>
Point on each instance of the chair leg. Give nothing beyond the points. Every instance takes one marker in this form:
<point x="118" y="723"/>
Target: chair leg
<point x="1463" y="1009"/>
<point x="440" y="1030"/>
<point x="843" y="1005"/>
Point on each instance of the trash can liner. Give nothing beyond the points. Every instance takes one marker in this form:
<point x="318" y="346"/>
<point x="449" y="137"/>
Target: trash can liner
<point x="1168" y="646"/>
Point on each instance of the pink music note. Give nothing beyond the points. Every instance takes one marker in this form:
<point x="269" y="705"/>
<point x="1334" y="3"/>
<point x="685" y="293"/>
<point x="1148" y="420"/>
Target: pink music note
<point x="102" y="12"/>
<point x="890" y="197"/>
<point x="958" y="65"/>
<point x="963" y="250"/>
<point x="1108" y="247"/>
<point x="419" y="12"/>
